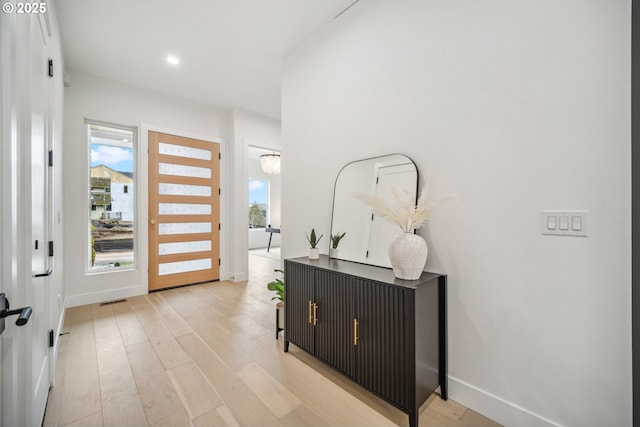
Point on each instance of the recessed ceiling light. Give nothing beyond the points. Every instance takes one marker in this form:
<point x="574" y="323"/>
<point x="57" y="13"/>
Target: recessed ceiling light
<point x="173" y="60"/>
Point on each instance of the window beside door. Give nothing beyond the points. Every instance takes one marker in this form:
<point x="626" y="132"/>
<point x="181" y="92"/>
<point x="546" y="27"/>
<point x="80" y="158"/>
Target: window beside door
<point x="111" y="182"/>
<point x="259" y="214"/>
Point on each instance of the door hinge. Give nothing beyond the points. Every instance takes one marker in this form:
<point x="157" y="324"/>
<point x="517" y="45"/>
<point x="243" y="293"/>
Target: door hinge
<point x="377" y="179"/>
<point x="372" y="217"/>
<point x="51" y="248"/>
<point x="219" y="261"/>
<point x="51" y="338"/>
<point x="50" y="158"/>
<point x="50" y="67"/>
<point x="219" y="227"/>
<point x="219" y="191"/>
<point x="367" y="255"/>
<point x="219" y="156"/>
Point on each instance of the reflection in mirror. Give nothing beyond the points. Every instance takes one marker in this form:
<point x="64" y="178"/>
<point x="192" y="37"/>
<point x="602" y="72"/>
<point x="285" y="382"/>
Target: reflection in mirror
<point x="367" y="239"/>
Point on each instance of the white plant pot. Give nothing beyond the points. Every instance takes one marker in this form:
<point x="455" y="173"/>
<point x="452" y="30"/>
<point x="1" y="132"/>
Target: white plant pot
<point x="280" y="307"/>
<point x="314" y="253"/>
<point x="408" y="255"/>
<point x="333" y="253"/>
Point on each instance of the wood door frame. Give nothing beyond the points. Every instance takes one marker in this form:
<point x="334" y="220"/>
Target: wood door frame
<point x="143" y="198"/>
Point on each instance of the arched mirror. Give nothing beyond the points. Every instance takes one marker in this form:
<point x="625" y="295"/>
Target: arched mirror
<point x="367" y="237"/>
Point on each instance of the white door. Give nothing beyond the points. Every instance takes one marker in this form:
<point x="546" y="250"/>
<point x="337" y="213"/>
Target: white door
<point x="37" y="293"/>
<point x="25" y="354"/>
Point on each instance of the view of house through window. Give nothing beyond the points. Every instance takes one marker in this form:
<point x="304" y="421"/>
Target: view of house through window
<point x="258" y="203"/>
<point x="111" y="193"/>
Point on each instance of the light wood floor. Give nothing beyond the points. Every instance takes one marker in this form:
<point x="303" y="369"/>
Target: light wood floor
<point x="206" y="355"/>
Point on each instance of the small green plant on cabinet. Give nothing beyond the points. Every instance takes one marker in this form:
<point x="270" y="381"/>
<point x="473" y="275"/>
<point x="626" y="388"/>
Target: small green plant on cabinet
<point x="312" y="238"/>
<point x="335" y="239"/>
<point x="277" y="286"/>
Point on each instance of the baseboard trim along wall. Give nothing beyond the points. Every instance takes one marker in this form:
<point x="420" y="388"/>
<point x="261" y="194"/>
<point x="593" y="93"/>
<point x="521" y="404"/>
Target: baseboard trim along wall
<point x="494" y="407"/>
<point x="239" y="277"/>
<point x="104" y="296"/>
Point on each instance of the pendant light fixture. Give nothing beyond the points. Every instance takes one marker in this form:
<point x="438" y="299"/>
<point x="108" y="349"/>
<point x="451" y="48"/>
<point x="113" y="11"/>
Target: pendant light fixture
<point x="270" y="163"/>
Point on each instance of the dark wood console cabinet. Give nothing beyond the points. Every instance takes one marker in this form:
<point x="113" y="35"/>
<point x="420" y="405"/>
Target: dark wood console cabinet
<point x="386" y="334"/>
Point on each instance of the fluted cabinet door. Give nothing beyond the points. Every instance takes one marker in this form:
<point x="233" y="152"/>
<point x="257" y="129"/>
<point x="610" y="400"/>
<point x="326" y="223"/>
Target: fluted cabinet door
<point x="382" y="363"/>
<point x="386" y="334"/>
<point x="298" y="296"/>
<point x="334" y="330"/>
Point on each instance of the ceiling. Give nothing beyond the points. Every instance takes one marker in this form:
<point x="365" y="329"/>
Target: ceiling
<point x="230" y="51"/>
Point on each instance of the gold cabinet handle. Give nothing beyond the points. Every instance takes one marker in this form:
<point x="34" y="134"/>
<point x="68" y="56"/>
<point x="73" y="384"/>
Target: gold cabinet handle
<point x="310" y="315"/>
<point x="315" y="314"/>
<point x="355" y="331"/>
<point x="153" y="222"/>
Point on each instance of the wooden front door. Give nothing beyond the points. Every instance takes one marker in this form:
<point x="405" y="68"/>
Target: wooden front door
<point x="184" y="211"/>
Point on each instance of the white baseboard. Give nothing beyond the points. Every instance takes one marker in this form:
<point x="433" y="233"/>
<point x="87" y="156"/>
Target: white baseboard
<point x="239" y="277"/>
<point x="494" y="407"/>
<point x="104" y="296"/>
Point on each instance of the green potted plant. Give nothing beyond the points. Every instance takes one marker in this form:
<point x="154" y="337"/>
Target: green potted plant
<point x="314" y="252"/>
<point x="335" y="240"/>
<point x="277" y="286"/>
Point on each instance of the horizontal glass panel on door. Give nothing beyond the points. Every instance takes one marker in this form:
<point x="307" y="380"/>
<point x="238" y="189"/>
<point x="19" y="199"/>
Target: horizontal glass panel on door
<point x="169" y="228"/>
<point x="184" y="190"/>
<point x="183" y="170"/>
<point x="184" y="266"/>
<point x="184" y="247"/>
<point x="181" y="151"/>
<point x="183" y="209"/>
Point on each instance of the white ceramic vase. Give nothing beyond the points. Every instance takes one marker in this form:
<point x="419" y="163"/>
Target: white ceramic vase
<point x="314" y="253"/>
<point x="408" y="255"/>
<point x="280" y="306"/>
<point x="333" y="252"/>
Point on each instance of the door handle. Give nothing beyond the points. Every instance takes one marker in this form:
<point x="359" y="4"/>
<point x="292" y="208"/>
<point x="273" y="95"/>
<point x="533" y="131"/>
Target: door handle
<point x="153" y="222"/>
<point x="24" y="313"/>
<point x="45" y="274"/>
<point x="315" y="314"/>
<point x="355" y="331"/>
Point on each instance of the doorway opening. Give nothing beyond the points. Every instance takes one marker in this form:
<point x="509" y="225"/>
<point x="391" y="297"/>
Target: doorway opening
<point x="264" y="201"/>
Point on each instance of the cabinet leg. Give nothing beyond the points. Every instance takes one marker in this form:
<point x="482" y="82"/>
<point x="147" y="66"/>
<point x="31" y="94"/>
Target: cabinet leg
<point x="413" y="418"/>
<point x="286" y="346"/>
<point x="442" y="332"/>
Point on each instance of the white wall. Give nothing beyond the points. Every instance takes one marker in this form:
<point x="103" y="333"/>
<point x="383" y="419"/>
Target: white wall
<point x="98" y="99"/>
<point x="516" y="107"/>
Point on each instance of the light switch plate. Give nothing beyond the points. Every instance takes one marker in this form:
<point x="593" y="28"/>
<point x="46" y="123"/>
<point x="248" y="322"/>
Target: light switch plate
<point x="578" y="223"/>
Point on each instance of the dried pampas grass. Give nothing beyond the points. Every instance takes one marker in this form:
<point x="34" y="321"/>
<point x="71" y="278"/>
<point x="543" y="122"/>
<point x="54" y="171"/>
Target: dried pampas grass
<point x="402" y="210"/>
